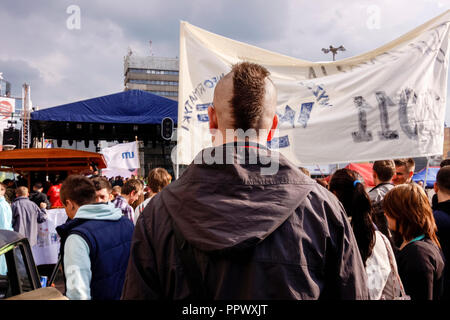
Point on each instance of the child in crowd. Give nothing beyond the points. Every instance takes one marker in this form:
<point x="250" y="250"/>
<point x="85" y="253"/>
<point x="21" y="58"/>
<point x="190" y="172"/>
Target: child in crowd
<point x="95" y="243"/>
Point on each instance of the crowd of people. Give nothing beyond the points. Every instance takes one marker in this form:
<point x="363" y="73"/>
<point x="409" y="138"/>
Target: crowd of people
<point x="227" y="231"/>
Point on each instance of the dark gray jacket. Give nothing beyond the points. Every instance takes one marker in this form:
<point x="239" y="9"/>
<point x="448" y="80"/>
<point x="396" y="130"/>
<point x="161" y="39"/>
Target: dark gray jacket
<point x="280" y="236"/>
<point x="376" y="195"/>
<point x="26" y="216"/>
<point x="38" y="197"/>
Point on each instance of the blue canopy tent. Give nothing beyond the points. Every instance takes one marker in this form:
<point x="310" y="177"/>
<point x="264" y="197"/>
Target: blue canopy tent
<point x="431" y="176"/>
<point x="132" y="107"/>
<point x="118" y="116"/>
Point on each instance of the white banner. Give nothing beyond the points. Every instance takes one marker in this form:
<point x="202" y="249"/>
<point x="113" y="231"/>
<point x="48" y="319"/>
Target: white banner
<point x="122" y="156"/>
<point x="46" y="249"/>
<point x="114" y="172"/>
<point x="387" y="103"/>
<point x="7" y="106"/>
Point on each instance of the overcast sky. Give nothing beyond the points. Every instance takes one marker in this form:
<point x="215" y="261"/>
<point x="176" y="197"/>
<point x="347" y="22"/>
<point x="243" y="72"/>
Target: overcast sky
<point x="63" y="65"/>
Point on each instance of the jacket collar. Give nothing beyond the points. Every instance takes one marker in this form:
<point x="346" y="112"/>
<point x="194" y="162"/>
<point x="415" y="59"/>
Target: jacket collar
<point x="443" y="206"/>
<point x="20" y="198"/>
<point x="64" y="229"/>
<point x="380" y="185"/>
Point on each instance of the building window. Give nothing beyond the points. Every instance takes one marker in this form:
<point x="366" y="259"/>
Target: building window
<point x="153" y="71"/>
<point x="154" y="82"/>
<point x="164" y="93"/>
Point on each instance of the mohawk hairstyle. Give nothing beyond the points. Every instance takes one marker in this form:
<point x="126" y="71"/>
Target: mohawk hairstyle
<point x="248" y="95"/>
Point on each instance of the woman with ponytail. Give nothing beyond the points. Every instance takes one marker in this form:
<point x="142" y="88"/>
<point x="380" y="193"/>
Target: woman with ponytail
<point x="375" y="249"/>
<point x="420" y="258"/>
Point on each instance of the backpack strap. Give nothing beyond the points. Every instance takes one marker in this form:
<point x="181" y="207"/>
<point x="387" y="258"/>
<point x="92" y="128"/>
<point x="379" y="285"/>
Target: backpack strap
<point x="190" y="265"/>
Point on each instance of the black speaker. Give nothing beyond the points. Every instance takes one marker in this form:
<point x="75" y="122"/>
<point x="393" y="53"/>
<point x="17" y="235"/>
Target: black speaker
<point x="12" y="136"/>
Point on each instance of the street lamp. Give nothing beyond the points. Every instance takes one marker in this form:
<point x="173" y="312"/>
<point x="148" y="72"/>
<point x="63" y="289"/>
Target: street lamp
<point x="333" y="50"/>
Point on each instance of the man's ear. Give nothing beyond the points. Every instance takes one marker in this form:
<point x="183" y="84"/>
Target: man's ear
<point x="68" y="203"/>
<point x="111" y="197"/>
<point x="272" y="129"/>
<point x="212" y="116"/>
<point x="411" y="173"/>
<point x="435" y="187"/>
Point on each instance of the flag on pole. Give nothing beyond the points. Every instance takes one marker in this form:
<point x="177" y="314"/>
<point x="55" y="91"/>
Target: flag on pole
<point x="122" y="156"/>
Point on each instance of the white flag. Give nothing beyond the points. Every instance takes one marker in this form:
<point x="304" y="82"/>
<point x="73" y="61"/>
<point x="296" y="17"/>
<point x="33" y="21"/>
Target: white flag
<point x="387" y="103"/>
<point x="122" y="156"/>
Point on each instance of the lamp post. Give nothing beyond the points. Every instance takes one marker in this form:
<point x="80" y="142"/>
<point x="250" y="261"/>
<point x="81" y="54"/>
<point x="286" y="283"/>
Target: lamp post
<point x="333" y="50"/>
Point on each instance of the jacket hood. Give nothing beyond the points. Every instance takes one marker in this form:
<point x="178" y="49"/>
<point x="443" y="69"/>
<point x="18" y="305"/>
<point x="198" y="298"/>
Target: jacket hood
<point x="220" y="207"/>
<point x="99" y="211"/>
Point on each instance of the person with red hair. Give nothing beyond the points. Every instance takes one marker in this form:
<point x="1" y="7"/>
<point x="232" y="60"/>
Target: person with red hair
<point x="419" y="258"/>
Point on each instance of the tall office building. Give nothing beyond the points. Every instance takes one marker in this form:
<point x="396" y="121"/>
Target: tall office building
<point x="5" y="87"/>
<point x="157" y="75"/>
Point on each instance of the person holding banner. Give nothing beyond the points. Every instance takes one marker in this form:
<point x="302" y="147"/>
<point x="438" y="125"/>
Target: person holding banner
<point x="243" y="222"/>
<point x="37" y="196"/>
<point x="27" y="215"/>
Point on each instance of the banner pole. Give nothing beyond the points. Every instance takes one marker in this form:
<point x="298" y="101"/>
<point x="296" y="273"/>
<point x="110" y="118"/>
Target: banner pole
<point x="323" y="176"/>
<point x="426" y="173"/>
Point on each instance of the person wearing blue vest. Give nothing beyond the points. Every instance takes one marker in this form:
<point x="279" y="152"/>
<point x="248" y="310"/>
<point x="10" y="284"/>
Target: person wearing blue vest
<point x="95" y="243"/>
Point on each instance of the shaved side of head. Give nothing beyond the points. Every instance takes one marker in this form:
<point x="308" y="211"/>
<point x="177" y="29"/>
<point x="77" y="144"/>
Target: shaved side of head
<point x="223" y="94"/>
<point x="245" y="98"/>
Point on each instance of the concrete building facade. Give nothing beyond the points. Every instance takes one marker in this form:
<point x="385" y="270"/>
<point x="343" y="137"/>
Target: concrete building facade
<point x="157" y="75"/>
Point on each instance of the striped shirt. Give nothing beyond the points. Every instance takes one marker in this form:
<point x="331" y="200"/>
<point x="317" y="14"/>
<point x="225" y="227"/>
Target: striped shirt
<point x="121" y="203"/>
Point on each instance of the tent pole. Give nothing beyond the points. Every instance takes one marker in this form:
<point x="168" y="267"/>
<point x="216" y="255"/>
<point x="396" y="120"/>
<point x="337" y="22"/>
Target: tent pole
<point x="426" y="173"/>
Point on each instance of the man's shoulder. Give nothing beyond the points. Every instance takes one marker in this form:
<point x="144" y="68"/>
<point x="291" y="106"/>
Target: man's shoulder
<point x="76" y="226"/>
<point x="442" y="219"/>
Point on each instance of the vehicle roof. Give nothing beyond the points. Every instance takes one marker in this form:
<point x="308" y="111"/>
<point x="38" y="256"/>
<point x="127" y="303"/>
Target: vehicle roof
<point x="7" y="237"/>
